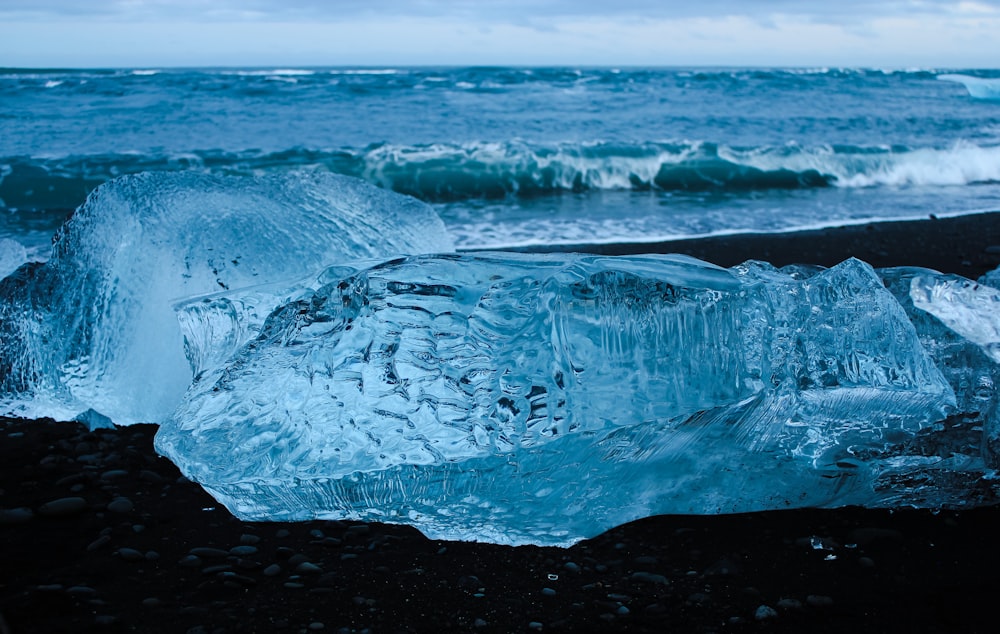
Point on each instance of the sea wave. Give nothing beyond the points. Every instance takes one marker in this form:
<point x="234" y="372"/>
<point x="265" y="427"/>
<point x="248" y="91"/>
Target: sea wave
<point x="510" y="170"/>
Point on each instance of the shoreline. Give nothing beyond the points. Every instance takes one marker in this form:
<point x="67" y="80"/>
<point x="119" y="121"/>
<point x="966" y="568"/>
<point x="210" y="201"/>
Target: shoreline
<point x="967" y="245"/>
<point x="99" y="534"/>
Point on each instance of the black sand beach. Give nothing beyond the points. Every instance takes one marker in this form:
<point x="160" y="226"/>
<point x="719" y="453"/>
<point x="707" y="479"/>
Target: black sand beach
<point x="97" y="533"/>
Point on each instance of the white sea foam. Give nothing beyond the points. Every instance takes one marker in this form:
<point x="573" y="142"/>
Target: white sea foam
<point x="365" y="71"/>
<point x="289" y="72"/>
<point x="962" y="164"/>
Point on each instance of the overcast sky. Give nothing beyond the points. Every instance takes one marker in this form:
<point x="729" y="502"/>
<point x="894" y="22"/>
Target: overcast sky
<point x="160" y="33"/>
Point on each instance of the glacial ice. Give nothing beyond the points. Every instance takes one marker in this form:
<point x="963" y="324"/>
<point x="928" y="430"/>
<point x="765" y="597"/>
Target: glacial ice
<point x="956" y="321"/>
<point x="544" y="399"/>
<point x="92" y="332"/>
<point x="978" y="87"/>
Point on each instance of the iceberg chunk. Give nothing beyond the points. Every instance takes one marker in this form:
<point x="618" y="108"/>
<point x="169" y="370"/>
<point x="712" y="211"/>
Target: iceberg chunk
<point x="968" y="308"/>
<point x="958" y="322"/>
<point x="544" y="399"/>
<point x="94" y="329"/>
<point x="978" y="87"/>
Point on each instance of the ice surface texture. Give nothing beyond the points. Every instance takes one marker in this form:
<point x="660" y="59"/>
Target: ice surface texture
<point x="544" y="399"/>
<point x="93" y="331"/>
<point x="12" y="255"/>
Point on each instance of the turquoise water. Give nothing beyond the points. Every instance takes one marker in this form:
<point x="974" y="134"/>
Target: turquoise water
<point x="520" y="156"/>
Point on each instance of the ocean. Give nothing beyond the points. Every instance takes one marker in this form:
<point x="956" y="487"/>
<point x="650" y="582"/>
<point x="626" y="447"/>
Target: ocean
<point x="514" y="157"/>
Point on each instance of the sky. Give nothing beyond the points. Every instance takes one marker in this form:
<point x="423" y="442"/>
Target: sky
<point x="184" y="33"/>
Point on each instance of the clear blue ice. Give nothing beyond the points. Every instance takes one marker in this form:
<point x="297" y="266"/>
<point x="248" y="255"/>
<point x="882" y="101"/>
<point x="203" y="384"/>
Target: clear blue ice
<point x="545" y="399"/>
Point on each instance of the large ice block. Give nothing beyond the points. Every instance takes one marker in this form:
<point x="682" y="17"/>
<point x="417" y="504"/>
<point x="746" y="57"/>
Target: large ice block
<point x="93" y="329"/>
<point x="958" y="321"/>
<point x="544" y="399"/>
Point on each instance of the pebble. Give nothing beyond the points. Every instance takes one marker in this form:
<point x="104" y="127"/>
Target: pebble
<point x="238" y="578"/>
<point x="70" y="479"/>
<point x="63" y="507"/>
<point x="211" y="570"/>
<point x="113" y="474"/>
<point x="282" y="533"/>
<point x="150" y="476"/>
<point x="535" y="625"/>
<point x="15" y="516"/>
<point x="819" y="601"/>
<point x="764" y="613"/>
<point x="307" y="568"/>
<point x="790" y="604"/>
<point x="242" y="551"/>
<point x="316" y="625"/>
<point x="272" y="570"/>
<point x="649" y="577"/>
<point x="120" y="505"/>
<point x="248" y="539"/>
<point x="572" y="567"/>
<point x="130" y="554"/>
<point x="81" y="590"/>
<point x="209" y="553"/>
<point x="190" y="561"/>
<point x="549" y="592"/>
<point x="151" y="602"/>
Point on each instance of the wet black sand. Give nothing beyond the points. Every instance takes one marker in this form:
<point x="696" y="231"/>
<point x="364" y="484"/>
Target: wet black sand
<point x="129" y="545"/>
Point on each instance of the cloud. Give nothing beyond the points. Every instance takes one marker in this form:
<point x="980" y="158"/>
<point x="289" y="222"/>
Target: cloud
<point x="489" y="10"/>
<point x="939" y="33"/>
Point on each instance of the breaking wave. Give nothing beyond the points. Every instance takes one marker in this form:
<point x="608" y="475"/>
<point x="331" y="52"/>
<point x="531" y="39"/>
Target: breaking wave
<point x="456" y="172"/>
